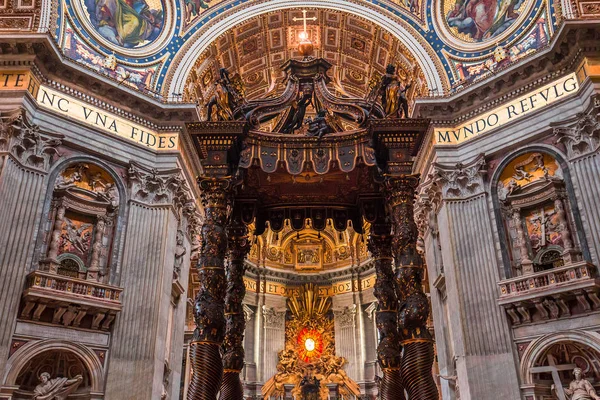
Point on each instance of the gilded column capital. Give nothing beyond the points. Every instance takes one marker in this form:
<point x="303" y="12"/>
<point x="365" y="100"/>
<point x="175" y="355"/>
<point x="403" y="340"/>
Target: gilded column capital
<point x="460" y="181"/>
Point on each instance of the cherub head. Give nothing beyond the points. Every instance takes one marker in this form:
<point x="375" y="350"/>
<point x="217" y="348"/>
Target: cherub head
<point x="44" y="377"/>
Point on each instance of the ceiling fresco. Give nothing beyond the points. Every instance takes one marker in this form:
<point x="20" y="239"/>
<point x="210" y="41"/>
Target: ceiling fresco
<point x="162" y="42"/>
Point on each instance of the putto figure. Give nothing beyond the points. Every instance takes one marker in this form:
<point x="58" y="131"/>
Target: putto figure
<point x="57" y="388"/>
<point x="580" y="388"/>
<point x="393" y="94"/>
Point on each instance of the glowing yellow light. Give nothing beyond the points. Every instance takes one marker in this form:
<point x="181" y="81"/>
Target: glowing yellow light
<point x="309" y="344"/>
<point x="303" y="35"/>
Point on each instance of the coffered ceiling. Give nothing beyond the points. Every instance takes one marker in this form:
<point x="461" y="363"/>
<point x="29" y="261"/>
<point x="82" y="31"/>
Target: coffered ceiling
<point x="358" y="50"/>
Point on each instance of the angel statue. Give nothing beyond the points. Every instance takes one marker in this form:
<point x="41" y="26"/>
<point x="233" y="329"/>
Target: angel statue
<point x="57" y="388"/>
<point x="393" y="94"/>
<point x="229" y="94"/>
<point x="580" y="388"/>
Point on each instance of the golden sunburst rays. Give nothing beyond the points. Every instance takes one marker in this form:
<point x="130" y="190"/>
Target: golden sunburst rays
<point x="309" y="303"/>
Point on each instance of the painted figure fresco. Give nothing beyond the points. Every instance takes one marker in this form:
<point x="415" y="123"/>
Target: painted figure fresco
<point x="138" y="78"/>
<point x="127" y="23"/>
<point x="534" y="40"/>
<point x="483" y="19"/>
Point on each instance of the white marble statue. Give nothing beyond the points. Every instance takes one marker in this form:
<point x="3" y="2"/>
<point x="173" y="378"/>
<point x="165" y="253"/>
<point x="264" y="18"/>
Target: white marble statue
<point x="55" y="389"/>
<point x="580" y="389"/>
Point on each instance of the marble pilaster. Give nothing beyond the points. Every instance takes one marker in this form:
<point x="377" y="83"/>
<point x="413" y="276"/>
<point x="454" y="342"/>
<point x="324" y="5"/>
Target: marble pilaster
<point x="480" y="334"/>
<point x="23" y="185"/>
<point x="581" y="138"/>
<point x="139" y="349"/>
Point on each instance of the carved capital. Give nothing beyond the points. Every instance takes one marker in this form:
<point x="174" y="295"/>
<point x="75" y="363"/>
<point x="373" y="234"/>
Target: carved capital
<point x="158" y="187"/>
<point x="427" y="205"/>
<point x="27" y="143"/>
<point x="581" y="137"/>
<point x="273" y="318"/>
<point x="346" y="317"/>
<point x="460" y="181"/>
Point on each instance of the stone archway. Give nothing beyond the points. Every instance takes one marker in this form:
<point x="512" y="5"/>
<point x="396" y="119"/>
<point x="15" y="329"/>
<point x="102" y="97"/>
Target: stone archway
<point x="552" y="358"/>
<point x="57" y="357"/>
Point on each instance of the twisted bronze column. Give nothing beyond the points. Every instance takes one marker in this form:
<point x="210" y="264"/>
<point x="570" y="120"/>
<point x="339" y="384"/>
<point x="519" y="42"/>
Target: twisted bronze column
<point x="388" y="351"/>
<point x="417" y="359"/>
<point x="207" y="367"/>
<point x="233" y="348"/>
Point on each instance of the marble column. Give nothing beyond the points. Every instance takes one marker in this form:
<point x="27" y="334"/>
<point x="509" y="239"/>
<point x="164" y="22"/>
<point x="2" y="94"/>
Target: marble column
<point x="480" y="333"/>
<point x="205" y="347"/>
<point x="417" y="342"/>
<point x="346" y="343"/>
<point x="233" y="346"/>
<point x="22" y="191"/>
<point x="581" y="138"/>
<point x="388" y="350"/>
<point x="137" y="361"/>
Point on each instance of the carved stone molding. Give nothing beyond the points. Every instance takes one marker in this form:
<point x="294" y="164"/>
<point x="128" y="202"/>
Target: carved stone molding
<point x="154" y="187"/>
<point x="27" y="144"/>
<point x="460" y="181"/>
<point x="248" y="313"/>
<point x="581" y="137"/>
<point x="346" y="317"/>
<point x="427" y="205"/>
<point x="273" y="318"/>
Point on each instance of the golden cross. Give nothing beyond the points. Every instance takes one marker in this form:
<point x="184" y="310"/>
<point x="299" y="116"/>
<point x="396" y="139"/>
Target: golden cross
<point x="304" y="19"/>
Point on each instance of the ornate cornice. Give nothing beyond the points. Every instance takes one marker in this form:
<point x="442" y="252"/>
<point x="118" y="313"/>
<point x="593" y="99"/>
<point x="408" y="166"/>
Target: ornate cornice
<point x="582" y="136"/>
<point x="460" y="181"/>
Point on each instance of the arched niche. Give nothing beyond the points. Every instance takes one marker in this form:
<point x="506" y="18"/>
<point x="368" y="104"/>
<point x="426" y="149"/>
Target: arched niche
<point x="60" y="359"/>
<point x="536" y="212"/>
<point x="84" y="206"/>
<point x="551" y="359"/>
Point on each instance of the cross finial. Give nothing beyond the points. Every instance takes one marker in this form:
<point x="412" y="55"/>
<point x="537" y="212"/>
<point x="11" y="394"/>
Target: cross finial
<point x="304" y="19"/>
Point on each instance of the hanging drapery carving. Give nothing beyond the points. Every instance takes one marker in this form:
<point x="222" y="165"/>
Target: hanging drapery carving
<point x="209" y="307"/>
<point x="233" y="349"/>
<point x="418" y="355"/>
<point x="388" y="351"/>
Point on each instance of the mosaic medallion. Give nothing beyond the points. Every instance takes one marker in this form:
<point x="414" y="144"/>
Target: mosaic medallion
<point x="126" y="23"/>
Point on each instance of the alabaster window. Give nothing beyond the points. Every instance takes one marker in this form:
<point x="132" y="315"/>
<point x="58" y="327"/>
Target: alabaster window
<point x="536" y="214"/>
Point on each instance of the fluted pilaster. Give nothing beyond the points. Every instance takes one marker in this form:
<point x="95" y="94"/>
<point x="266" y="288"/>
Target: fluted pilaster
<point x="582" y="141"/>
<point x="139" y="337"/>
<point x="21" y="195"/>
<point x="479" y="329"/>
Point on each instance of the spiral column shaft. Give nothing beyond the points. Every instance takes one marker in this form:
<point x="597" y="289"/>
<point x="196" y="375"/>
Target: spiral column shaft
<point x="233" y="346"/>
<point x="413" y="312"/>
<point x="207" y="367"/>
<point x="388" y="351"/>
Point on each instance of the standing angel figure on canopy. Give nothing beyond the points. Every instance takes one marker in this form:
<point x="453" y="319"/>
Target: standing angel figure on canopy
<point x="393" y="94"/>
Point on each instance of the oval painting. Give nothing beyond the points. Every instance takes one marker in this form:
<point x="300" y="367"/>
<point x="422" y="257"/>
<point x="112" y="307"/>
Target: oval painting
<point x="481" y="20"/>
<point x="126" y="23"/>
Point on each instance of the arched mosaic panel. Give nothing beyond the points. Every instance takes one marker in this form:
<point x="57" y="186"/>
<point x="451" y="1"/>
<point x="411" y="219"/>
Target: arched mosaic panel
<point x="146" y="44"/>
